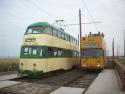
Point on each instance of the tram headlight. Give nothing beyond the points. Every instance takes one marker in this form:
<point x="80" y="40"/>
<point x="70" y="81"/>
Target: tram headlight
<point x="84" y="65"/>
<point x="98" y="65"/>
<point x="21" y="64"/>
<point x="34" y="64"/>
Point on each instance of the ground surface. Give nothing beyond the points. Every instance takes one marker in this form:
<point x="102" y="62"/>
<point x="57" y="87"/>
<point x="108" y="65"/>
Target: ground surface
<point x="105" y="83"/>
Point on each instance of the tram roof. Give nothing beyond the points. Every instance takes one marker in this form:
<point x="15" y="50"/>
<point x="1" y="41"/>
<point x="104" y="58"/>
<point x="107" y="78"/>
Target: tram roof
<point x="47" y="24"/>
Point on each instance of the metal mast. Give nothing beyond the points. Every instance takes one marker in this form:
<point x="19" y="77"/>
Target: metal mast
<point x="124" y="42"/>
<point x="80" y="31"/>
<point x="80" y="26"/>
<point x="113" y="49"/>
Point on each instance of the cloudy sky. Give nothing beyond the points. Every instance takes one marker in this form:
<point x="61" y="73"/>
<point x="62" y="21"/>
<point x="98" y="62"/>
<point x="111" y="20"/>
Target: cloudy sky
<point x="16" y="15"/>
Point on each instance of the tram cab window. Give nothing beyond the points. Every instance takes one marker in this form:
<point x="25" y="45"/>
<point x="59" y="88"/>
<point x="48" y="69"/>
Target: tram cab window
<point x="34" y="51"/>
<point x="29" y="31"/>
<point x="26" y="50"/>
<point x="92" y="53"/>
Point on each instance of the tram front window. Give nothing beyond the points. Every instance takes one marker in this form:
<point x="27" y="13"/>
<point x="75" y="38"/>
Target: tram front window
<point x="92" y="53"/>
<point x="34" y="30"/>
<point x="32" y="52"/>
<point x="29" y="50"/>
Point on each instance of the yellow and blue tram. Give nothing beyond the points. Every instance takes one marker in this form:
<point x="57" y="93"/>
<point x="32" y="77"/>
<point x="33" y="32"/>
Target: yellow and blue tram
<point x="93" y="51"/>
<point x="46" y="48"/>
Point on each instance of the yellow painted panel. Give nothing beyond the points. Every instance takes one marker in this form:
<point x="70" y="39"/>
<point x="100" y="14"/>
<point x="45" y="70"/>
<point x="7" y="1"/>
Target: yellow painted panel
<point x="92" y="63"/>
<point x="93" y="39"/>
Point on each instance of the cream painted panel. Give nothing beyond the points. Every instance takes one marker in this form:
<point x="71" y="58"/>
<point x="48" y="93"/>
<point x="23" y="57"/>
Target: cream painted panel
<point x="57" y="63"/>
<point x="61" y="63"/>
<point x="40" y="39"/>
<point x="47" y="65"/>
<point x="44" y="39"/>
<point x="41" y="64"/>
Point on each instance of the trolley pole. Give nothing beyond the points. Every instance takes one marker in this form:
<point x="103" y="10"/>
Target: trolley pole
<point x="124" y="42"/>
<point x="113" y="49"/>
<point x="80" y="31"/>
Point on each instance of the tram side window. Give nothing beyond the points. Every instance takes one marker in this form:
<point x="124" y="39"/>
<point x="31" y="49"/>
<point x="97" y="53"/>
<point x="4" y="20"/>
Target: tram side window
<point x="55" y="52"/>
<point x="60" y="51"/>
<point x="63" y="36"/>
<point x="50" y="51"/>
<point x="59" y="34"/>
<point x="48" y="30"/>
<point x="71" y="39"/>
<point x="66" y="37"/>
<point x="74" y="54"/>
<point x="55" y="33"/>
<point x="41" y="52"/>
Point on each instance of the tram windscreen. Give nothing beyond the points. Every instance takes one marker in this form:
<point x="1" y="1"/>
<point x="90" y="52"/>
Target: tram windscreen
<point x="92" y="52"/>
<point x="34" y="30"/>
<point x="29" y="51"/>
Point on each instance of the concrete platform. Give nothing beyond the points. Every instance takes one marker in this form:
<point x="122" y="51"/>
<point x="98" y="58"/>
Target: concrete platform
<point x="7" y="83"/>
<point x="105" y="83"/>
<point x="8" y="76"/>
<point x="68" y="90"/>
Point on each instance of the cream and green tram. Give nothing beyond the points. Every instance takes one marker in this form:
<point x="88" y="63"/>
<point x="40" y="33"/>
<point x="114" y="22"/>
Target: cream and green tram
<point x="46" y="48"/>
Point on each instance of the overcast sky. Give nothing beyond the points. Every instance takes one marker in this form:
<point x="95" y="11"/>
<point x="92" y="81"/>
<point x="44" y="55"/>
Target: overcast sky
<point x="16" y="15"/>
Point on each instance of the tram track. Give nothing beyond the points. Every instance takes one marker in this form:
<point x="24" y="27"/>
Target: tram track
<point x="45" y="85"/>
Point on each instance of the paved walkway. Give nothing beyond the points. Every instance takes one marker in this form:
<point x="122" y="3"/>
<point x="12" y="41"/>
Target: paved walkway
<point x="4" y="79"/>
<point x="7" y="83"/>
<point x="105" y="83"/>
<point x="8" y="76"/>
<point x="68" y="90"/>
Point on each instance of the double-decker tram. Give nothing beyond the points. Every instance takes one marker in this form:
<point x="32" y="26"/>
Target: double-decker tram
<point x="93" y="51"/>
<point x="46" y="48"/>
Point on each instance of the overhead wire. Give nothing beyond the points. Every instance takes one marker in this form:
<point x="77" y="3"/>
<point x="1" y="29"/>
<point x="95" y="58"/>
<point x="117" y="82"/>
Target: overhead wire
<point x="41" y="9"/>
<point x="85" y="6"/>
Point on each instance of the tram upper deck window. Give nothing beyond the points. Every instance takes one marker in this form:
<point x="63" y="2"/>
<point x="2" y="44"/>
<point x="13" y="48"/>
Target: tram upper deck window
<point x="63" y="36"/>
<point x="34" y="30"/>
<point x="55" y="33"/>
<point x="48" y="30"/>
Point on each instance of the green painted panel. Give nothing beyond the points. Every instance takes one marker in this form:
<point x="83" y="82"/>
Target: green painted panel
<point x="47" y="52"/>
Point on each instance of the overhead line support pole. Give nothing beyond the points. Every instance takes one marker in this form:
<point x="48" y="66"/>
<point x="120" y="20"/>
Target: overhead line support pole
<point x="80" y="26"/>
<point x="113" y="49"/>
<point x="80" y="31"/>
<point x="124" y="42"/>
